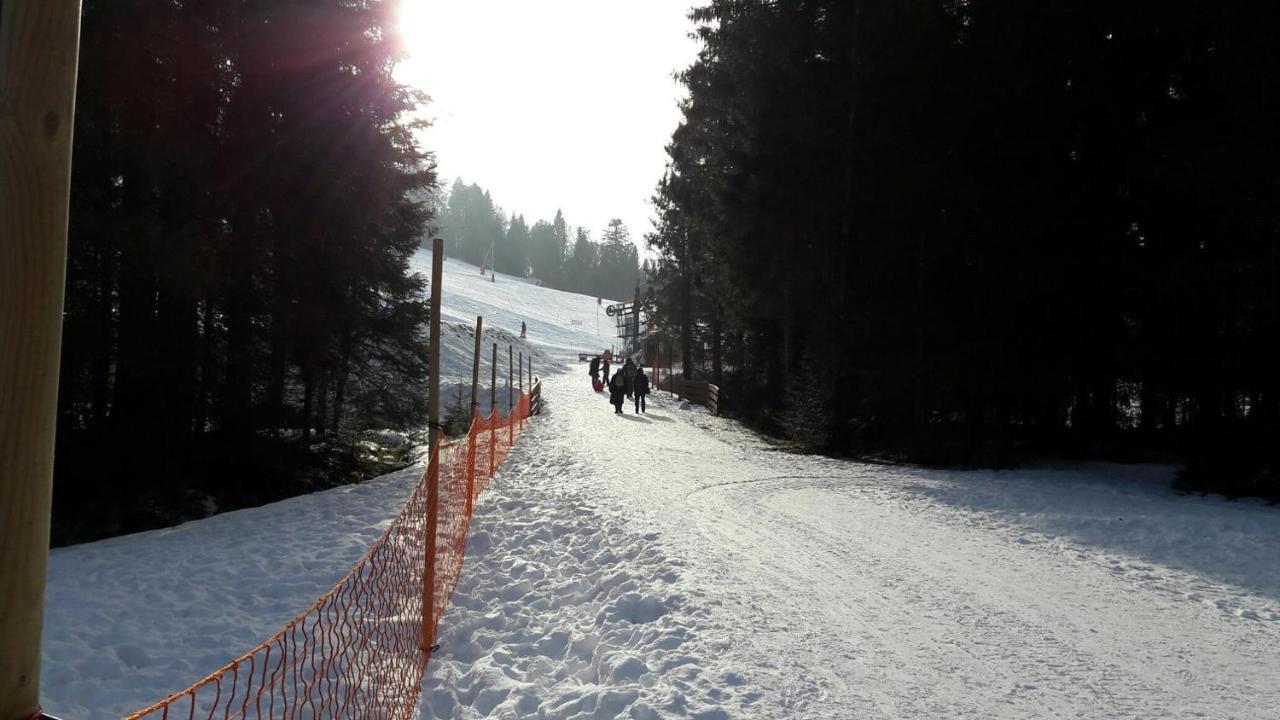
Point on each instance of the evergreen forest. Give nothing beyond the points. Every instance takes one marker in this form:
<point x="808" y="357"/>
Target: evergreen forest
<point x="246" y="196"/>
<point x="478" y="231"/>
<point x="977" y="232"/>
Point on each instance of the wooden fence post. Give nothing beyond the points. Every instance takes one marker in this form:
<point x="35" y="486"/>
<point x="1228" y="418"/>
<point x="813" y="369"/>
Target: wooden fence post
<point x="433" y="387"/>
<point x="511" y="403"/>
<point x="39" y="47"/>
<point x="493" y="409"/>
<point x="475" y="415"/>
<point x="475" y="365"/>
<point x="433" y="457"/>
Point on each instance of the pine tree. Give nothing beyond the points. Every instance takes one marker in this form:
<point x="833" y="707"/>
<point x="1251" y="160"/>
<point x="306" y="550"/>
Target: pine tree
<point x="239" y="249"/>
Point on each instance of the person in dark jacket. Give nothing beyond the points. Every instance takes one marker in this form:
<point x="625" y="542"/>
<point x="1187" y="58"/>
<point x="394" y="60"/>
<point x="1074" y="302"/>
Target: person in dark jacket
<point x="617" y="392"/>
<point x="605" y="370"/>
<point x="594" y="372"/>
<point x="629" y="374"/>
<point x="640" y="388"/>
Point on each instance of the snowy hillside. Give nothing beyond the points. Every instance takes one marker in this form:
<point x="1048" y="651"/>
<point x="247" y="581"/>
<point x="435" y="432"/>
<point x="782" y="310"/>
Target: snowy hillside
<point x="559" y="324"/>
<point x="673" y="565"/>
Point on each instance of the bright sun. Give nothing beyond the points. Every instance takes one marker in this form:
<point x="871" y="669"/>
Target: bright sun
<point x="561" y="105"/>
<point x="412" y="27"/>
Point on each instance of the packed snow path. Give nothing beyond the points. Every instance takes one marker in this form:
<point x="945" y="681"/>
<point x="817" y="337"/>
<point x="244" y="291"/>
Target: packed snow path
<point x="672" y="565"/>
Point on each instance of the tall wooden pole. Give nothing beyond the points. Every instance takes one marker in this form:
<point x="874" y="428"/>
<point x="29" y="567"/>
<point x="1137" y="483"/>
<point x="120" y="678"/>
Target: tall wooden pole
<point x="433" y="391"/>
<point x="511" y="403"/>
<point x="39" y="49"/>
<point x="433" y="457"/>
<point x="520" y="372"/>
<point x="493" y="410"/>
<point x="475" y="365"/>
<point x="475" y="412"/>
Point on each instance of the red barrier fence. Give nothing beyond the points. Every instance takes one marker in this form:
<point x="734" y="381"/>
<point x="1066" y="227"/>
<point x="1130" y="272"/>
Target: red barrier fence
<point x="360" y="651"/>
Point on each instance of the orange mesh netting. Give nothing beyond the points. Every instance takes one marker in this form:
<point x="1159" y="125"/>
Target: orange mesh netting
<point x="361" y="650"/>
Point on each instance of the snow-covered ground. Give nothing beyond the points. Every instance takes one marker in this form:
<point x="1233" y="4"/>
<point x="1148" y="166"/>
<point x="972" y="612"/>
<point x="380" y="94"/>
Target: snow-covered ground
<point x="674" y="565"/>
<point x="671" y="565"/>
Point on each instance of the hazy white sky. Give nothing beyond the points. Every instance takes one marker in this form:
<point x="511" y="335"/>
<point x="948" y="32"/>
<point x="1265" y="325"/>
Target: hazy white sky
<point x="552" y="103"/>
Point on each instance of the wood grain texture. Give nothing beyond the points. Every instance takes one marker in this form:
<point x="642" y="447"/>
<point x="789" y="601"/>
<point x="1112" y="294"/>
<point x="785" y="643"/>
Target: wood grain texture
<point x="437" y="271"/>
<point x="39" y="45"/>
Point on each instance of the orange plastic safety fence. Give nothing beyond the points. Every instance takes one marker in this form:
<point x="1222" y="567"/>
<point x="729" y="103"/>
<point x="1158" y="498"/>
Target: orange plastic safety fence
<point x="361" y="649"/>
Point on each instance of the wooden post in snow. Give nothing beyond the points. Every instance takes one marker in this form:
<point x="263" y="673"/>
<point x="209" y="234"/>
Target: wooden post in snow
<point x="475" y="365"/>
<point x="511" y="403"/>
<point x="433" y="388"/>
<point x="39" y="48"/>
<point x="475" y="414"/>
<point x="433" y="457"/>
<point x="520" y="372"/>
<point x="493" y="408"/>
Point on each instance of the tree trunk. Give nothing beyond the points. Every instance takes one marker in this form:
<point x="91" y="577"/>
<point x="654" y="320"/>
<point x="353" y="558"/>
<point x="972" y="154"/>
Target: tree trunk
<point x="686" y="310"/>
<point x="204" y="393"/>
<point x="100" y="388"/>
<point x="322" y="403"/>
<point x="308" y="400"/>
<point x="238" y="394"/>
<point x="340" y="386"/>
<point x="717" y="339"/>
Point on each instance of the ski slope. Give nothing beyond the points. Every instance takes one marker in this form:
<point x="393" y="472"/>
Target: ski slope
<point x="559" y="324"/>
<point x="673" y="565"/>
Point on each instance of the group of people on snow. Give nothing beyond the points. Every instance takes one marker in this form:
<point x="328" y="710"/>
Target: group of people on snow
<point x="628" y="383"/>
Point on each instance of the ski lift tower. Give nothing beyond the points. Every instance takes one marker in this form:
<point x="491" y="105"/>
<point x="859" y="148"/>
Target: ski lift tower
<point x="627" y="316"/>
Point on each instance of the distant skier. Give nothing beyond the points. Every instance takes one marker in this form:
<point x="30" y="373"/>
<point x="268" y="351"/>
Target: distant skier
<point x="629" y="374"/>
<point x="617" y="392"/>
<point x="522" y="329"/>
<point x="640" y="386"/>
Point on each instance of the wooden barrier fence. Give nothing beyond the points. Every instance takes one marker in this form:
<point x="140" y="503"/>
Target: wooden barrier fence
<point x="700" y="393"/>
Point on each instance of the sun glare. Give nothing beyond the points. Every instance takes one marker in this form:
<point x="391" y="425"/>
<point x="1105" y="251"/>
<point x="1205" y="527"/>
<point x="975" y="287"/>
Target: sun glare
<point x="563" y="105"/>
<point x="412" y="30"/>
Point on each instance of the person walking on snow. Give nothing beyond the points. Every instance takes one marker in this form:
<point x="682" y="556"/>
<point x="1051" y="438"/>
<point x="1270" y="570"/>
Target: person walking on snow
<point x="629" y="374"/>
<point x="617" y="392"/>
<point x="640" y="386"/>
<point x="605" y="369"/>
<point x="594" y="370"/>
<point x="522" y="329"/>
